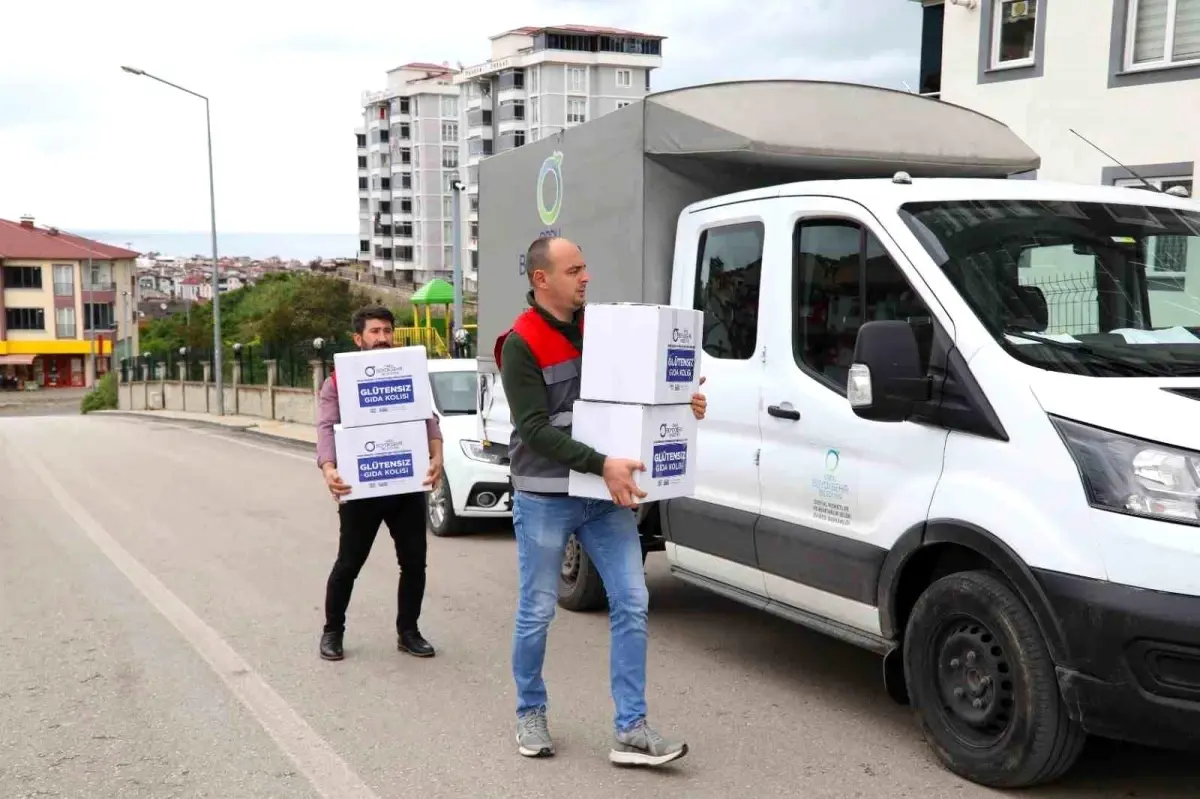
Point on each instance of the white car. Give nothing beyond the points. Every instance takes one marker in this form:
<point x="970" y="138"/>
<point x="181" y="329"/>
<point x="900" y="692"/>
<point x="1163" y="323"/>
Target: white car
<point x="475" y="486"/>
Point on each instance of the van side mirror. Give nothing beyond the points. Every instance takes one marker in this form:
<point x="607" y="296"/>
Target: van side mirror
<point x="885" y="379"/>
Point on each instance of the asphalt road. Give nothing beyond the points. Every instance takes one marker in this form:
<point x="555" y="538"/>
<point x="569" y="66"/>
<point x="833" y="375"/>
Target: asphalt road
<point x="160" y="593"/>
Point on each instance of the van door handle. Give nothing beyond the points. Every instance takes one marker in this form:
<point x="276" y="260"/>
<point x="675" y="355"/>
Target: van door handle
<point x="780" y="412"/>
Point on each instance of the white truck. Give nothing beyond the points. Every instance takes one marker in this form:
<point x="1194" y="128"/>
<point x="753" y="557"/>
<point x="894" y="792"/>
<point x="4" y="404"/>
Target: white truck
<point x="950" y="414"/>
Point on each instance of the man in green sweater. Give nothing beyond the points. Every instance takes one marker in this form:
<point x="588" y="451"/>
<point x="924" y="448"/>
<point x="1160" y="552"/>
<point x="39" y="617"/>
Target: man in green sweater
<point x="540" y="359"/>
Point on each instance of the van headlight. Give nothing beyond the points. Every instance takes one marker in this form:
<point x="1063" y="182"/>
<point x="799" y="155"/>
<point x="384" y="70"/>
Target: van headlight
<point x="1128" y="475"/>
<point x="476" y="451"/>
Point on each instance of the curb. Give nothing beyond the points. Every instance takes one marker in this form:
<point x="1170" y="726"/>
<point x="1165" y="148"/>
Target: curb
<point x="251" y="431"/>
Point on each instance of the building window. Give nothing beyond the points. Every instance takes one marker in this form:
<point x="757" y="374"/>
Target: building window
<point x="448" y="232"/>
<point x="64" y="322"/>
<point x="576" y="80"/>
<point x="623" y="103"/>
<point x="624" y="78"/>
<point x="64" y="280"/>
<point x="449" y="156"/>
<point x="534" y="111"/>
<point x="576" y="111"/>
<point x="727" y="281"/>
<point x="22" y="277"/>
<point x="99" y="315"/>
<point x="450" y="107"/>
<point x="448" y="178"/>
<point x="533" y="78"/>
<point x="1162" y="33"/>
<point x="25" y="318"/>
<point x="450" y="131"/>
<point x="1014" y="32"/>
<point x="364" y="245"/>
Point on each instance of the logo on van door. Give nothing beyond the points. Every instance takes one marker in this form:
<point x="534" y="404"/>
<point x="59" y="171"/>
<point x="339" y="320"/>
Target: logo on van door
<point x="550" y="174"/>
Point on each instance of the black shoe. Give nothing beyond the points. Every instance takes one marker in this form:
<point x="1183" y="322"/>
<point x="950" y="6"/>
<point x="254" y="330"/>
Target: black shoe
<point x="331" y="646"/>
<point x="412" y="643"/>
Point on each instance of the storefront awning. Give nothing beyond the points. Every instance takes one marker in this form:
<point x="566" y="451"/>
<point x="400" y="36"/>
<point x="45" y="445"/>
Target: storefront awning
<point x="17" y="360"/>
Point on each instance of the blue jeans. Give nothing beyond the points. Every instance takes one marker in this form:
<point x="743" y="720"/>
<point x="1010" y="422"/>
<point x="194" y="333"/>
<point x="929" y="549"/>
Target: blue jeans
<point x="609" y="535"/>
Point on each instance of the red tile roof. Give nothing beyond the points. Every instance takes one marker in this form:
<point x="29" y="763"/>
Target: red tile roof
<point x="19" y="241"/>
<point x="585" y="29"/>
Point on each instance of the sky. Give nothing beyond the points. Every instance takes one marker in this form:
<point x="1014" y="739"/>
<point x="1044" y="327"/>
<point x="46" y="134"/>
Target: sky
<point x="86" y="146"/>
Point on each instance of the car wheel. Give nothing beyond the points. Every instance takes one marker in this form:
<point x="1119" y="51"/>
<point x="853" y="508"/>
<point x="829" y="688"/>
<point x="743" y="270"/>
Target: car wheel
<point x="983" y="686"/>
<point x="439" y="512"/>
<point x="580" y="587"/>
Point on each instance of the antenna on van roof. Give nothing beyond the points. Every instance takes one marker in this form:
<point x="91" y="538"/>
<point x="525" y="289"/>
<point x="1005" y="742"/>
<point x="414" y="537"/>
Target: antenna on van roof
<point x="1149" y="185"/>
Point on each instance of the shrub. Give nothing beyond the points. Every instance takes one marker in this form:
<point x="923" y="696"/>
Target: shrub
<point x="103" y="397"/>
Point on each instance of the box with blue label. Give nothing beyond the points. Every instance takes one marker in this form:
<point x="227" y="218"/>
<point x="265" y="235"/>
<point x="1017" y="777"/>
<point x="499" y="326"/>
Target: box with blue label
<point x="383" y="459"/>
<point x="662" y="437"/>
<point x="383" y="385"/>
<point x="640" y="353"/>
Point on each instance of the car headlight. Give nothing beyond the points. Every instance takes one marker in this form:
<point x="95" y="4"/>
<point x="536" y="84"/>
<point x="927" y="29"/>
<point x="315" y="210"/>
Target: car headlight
<point x="476" y="451"/>
<point x="1129" y="475"/>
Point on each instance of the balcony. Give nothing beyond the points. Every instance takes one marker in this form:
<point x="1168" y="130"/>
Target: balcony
<point x="99" y="285"/>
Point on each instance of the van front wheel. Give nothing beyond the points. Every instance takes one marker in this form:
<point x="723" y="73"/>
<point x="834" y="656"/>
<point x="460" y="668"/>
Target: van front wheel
<point x="983" y="686"/>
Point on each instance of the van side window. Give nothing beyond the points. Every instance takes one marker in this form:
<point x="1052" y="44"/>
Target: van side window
<point x="840" y="269"/>
<point x="728" y="272"/>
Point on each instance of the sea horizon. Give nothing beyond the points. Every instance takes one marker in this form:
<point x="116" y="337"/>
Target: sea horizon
<point x="185" y="244"/>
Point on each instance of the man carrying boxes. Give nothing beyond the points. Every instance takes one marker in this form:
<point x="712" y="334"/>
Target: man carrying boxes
<point x="379" y="447"/>
<point x="541" y="360"/>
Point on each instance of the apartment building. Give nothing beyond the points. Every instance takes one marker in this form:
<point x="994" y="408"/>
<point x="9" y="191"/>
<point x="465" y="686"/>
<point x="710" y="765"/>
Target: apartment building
<point x="434" y="124"/>
<point x="408" y="151"/>
<point x="1125" y="74"/>
<point x="66" y="305"/>
<point x="539" y="82"/>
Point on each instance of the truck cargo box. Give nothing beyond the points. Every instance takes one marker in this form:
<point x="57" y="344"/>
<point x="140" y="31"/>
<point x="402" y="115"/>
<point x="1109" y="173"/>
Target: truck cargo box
<point x="617" y="184"/>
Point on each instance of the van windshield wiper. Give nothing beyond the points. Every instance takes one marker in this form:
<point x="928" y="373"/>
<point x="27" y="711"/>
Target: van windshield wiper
<point x="1135" y="366"/>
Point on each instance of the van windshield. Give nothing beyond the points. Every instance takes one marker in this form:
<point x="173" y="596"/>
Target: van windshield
<point x="1099" y="289"/>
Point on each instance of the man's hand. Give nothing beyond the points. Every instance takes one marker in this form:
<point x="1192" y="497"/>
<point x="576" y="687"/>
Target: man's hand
<point x="333" y="480"/>
<point x="435" y="471"/>
<point x="699" y="403"/>
<point x="618" y="476"/>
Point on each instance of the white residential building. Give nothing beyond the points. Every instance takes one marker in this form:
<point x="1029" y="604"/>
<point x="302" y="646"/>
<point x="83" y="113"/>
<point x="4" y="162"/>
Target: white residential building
<point x="541" y="81"/>
<point x="408" y="151"/>
<point x="434" y="124"/>
<point x="1125" y="74"/>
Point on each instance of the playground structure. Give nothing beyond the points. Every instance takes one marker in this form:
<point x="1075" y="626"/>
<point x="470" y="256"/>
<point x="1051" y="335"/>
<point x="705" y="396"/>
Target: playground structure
<point x="434" y="337"/>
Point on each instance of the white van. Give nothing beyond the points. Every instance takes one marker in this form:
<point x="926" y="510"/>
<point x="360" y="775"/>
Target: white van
<point x="950" y="420"/>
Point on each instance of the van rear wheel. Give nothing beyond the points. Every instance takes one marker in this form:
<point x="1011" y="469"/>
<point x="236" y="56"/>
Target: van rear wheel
<point x="580" y="586"/>
<point x="983" y="686"/>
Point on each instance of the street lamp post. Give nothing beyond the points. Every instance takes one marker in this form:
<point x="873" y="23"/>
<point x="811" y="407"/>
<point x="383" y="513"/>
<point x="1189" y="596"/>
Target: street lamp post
<point x="212" y="204"/>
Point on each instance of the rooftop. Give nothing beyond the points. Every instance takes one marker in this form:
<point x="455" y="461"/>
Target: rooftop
<point x="24" y="239"/>
<point x="425" y="65"/>
<point x="586" y="30"/>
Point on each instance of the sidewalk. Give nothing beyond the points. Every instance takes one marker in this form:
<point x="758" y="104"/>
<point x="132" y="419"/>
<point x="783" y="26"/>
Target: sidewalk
<point x="289" y="431"/>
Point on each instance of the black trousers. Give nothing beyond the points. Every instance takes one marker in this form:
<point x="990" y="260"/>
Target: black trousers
<point x="404" y="515"/>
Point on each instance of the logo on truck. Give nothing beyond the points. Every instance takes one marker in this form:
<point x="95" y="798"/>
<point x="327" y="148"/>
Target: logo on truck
<point x="551" y="169"/>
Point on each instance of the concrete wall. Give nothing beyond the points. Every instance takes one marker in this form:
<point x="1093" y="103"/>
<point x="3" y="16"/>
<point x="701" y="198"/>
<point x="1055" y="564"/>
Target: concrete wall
<point x="298" y="405"/>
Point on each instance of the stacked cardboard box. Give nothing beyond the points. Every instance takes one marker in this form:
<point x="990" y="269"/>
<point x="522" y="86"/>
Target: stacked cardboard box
<point x="384" y="396"/>
<point x="641" y="366"/>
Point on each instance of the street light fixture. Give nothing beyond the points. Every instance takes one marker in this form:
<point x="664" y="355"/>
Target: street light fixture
<point x="212" y="204"/>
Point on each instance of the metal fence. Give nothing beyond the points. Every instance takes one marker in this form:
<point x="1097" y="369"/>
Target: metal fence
<point x="1072" y="301"/>
<point x="294" y="363"/>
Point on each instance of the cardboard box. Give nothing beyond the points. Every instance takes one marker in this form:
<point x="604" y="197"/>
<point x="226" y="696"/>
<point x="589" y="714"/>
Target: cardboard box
<point x="663" y="437"/>
<point x="640" y="353"/>
<point x="383" y="459"/>
<point x="384" y="385"/>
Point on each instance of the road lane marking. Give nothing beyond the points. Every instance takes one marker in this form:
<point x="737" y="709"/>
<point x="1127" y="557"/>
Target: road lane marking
<point x="329" y="774"/>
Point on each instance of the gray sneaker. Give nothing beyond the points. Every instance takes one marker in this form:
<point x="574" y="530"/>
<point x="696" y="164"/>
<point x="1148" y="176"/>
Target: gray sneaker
<point x="643" y="746"/>
<point x="533" y="735"/>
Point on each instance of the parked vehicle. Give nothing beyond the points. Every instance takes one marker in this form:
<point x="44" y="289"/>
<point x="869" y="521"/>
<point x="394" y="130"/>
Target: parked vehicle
<point x="475" y="487"/>
<point x="950" y="414"/>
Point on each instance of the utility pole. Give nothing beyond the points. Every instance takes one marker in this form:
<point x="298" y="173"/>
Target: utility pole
<point x="456" y="191"/>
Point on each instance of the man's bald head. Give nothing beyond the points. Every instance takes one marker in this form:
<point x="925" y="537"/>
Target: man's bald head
<point x="557" y="272"/>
